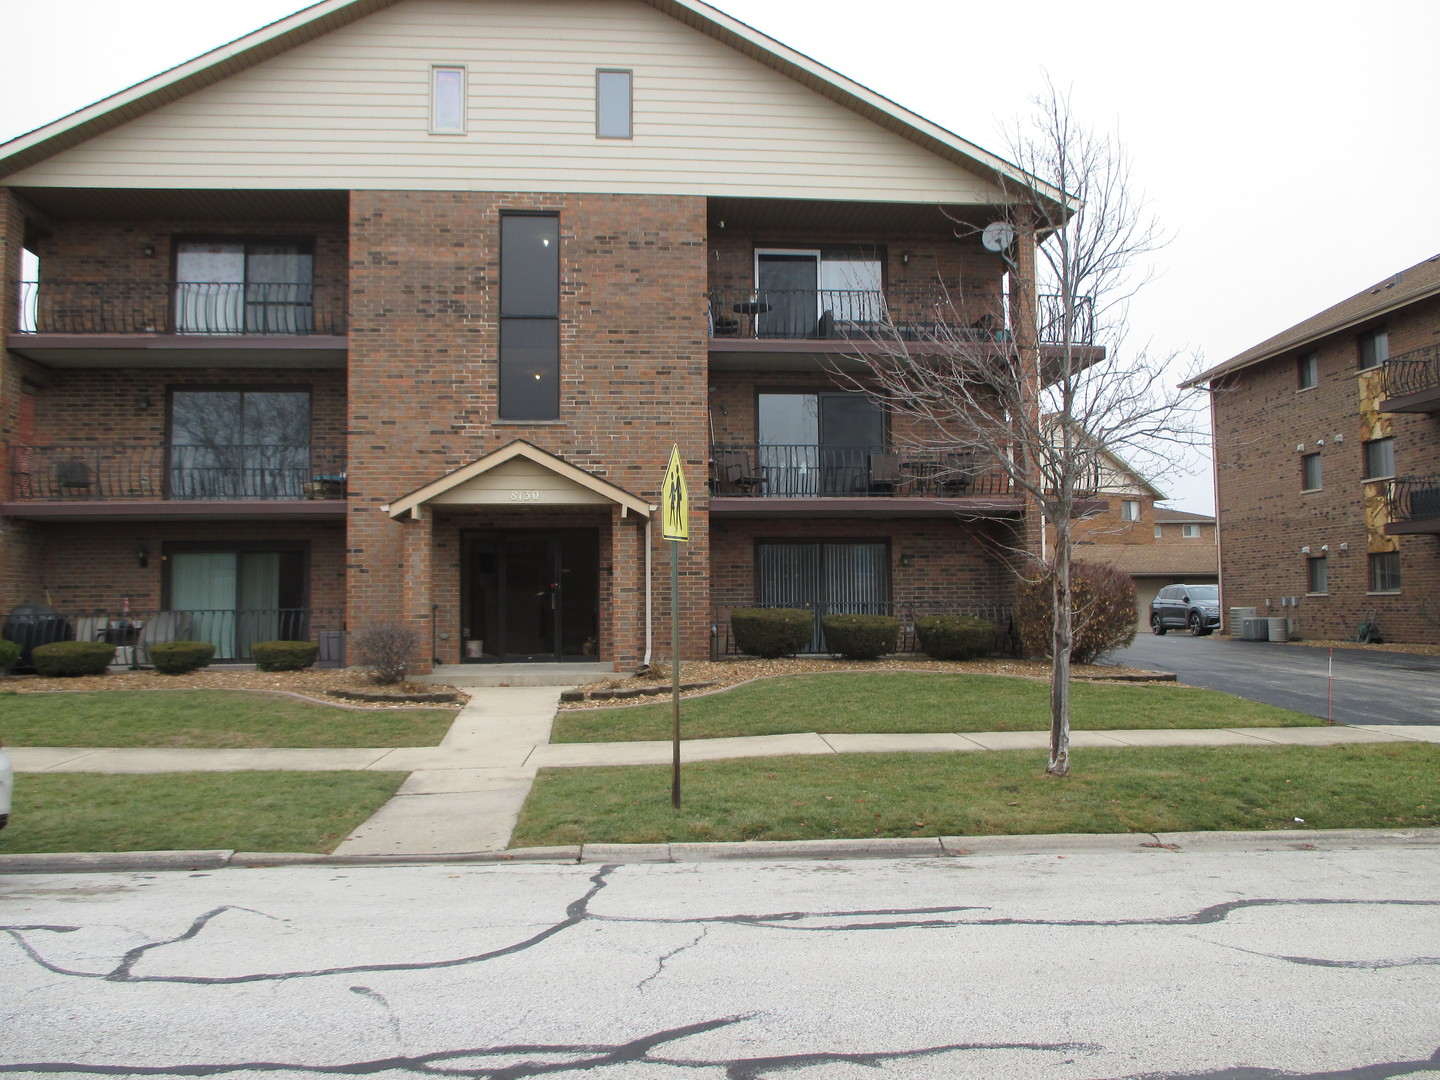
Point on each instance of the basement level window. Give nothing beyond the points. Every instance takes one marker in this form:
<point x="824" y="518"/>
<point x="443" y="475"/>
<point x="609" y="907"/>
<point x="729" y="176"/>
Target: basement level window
<point x="614" y="104"/>
<point x="447" y="99"/>
<point x="1385" y="571"/>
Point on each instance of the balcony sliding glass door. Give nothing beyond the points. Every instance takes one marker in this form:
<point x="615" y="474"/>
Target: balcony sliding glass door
<point x="243" y="287"/>
<point x="818" y="443"/>
<point x="827" y="577"/>
<point x="234" y="598"/>
<point x="239" y="444"/>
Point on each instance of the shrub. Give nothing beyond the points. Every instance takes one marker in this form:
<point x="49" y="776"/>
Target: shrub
<point x="181" y="657"/>
<point x="955" y="637"/>
<point x="284" y="655"/>
<point x="771" y="632"/>
<point x="860" y="637"/>
<point x="382" y="649"/>
<point x="1103" y="604"/>
<point x="67" y="658"/>
<point x="9" y="654"/>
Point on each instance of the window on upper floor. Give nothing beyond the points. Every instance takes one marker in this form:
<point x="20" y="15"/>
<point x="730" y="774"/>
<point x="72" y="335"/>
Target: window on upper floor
<point x="529" y="317"/>
<point x="1317" y="575"/>
<point x="1190" y="532"/>
<point x="1385" y="571"/>
<point x="1159" y="531"/>
<point x="814" y="293"/>
<point x="614" y="104"/>
<point x="1307" y="370"/>
<point x="1129" y="509"/>
<point x="1310" y="472"/>
<point x="238" y="443"/>
<point x="1379" y="459"/>
<point x="447" y="99"/>
<point x="1374" y="348"/>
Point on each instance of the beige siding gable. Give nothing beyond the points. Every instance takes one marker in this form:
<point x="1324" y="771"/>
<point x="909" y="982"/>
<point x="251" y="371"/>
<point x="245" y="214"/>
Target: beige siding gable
<point x="520" y="482"/>
<point x="351" y="110"/>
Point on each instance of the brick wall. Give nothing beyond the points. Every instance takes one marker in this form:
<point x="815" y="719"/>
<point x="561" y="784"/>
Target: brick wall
<point x="1261" y="416"/>
<point x="424" y="373"/>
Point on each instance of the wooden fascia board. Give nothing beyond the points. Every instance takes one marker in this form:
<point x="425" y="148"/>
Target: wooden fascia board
<point x="508" y="452"/>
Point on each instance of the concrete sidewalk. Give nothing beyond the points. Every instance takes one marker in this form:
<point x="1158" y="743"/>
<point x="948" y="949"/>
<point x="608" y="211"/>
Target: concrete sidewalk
<point x="463" y="796"/>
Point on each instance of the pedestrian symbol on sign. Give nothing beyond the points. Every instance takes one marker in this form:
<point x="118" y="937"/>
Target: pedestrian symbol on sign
<point x="674" y="501"/>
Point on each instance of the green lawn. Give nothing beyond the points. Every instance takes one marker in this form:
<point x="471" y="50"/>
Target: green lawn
<point x="246" y="811"/>
<point x="208" y="719"/>
<point x="918" y="702"/>
<point x="988" y="793"/>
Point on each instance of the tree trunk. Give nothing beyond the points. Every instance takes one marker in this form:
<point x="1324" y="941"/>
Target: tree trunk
<point x="1060" y="642"/>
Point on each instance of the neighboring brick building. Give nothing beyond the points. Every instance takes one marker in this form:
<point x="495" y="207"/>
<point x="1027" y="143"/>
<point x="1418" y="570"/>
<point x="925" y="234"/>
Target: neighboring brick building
<point x="395" y="309"/>
<point x="1327" y="454"/>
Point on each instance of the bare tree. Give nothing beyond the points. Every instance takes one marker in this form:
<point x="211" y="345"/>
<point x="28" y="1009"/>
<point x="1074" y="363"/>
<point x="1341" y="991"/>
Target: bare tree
<point x="1044" y="399"/>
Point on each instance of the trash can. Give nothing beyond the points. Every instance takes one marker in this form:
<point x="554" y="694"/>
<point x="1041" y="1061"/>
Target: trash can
<point x="29" y="625"/>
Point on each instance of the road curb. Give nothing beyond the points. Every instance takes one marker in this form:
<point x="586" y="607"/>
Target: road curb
<point x="968" y="847"/>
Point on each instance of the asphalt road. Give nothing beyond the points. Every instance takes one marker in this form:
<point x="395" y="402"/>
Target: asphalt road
<point x="1364" y="687"/>
<point x="1193" y="964"/>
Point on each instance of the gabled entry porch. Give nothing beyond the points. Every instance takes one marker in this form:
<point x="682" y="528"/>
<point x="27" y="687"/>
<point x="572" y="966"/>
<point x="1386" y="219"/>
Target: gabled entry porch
<point x="521" y="557"/>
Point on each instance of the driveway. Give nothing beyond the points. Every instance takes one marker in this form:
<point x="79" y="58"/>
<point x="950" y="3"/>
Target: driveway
<point x="1365" y="686"/>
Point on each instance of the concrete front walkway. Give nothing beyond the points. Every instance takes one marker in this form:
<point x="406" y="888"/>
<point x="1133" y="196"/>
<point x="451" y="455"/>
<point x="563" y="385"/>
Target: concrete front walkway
<point x="463" y="796"/>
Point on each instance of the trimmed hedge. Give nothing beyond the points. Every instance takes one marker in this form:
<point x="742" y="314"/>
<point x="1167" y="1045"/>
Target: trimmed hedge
<point x="1102" y="600"/>
<point x="860" y="637"/>
<point x="181" y="657"/>
<point x="771" y="633"/>
<point x="69" y="658"/>
<point x="955" y="637"/>
<point x="9" y="654"/>
<point x="284" y="655"/>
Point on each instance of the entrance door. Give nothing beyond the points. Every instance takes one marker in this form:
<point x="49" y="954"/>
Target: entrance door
<point x="530" y="595"/>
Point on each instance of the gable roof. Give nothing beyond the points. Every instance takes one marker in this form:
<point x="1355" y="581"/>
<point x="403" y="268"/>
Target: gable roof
<point x="328" y="15"/>
<point x="1166" y="516"/>
<point x="519" y="449"/>
<point x="1181" y="562"/>
<point x="1419" y="282"/>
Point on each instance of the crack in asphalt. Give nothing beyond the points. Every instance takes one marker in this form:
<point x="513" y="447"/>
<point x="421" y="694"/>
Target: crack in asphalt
<point x="1379" y="1070"/>
<point x="592" y="1056"/>
<point x="660" y="964"/>
<point x="577" y="911"/>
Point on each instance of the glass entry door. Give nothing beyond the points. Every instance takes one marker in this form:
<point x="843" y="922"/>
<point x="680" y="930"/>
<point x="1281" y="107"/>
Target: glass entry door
<point x="530" y="595"/>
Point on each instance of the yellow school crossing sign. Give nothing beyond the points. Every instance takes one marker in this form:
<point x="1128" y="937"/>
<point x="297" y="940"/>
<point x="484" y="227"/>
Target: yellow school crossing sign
<point x="674" y="500"/>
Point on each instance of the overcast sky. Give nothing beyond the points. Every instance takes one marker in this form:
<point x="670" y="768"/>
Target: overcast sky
<point x="1286" y="146"/>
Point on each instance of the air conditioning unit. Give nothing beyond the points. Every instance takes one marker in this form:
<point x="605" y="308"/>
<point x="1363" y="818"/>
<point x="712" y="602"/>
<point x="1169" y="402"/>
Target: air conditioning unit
<point x="1255" y="630"/>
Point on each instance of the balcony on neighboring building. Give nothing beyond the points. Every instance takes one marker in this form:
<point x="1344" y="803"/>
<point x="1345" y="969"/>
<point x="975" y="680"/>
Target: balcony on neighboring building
<point x="840" y="480"/>
<point x="1412" y="381"/>
<point x="181" y="324"/>
<point x="1413" y="503"/>
<point x="102" y="481"/>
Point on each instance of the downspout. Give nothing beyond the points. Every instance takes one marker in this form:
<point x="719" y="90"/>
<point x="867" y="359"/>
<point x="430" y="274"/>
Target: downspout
<point x="649" y="599"/>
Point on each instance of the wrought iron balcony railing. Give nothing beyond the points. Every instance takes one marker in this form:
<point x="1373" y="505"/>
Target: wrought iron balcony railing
<point x="858" y="314"/>
<point x="1413" y="498"/>
<point x="233" y="632"/>
<point x="181" y="307"/>
<point x="850" y="471"/>
<point x="1414" y="372"/>
<point x="96" y="471"/>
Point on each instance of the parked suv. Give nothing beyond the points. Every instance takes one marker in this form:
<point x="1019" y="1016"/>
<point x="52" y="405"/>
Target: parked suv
<point x="1178" y="607"/>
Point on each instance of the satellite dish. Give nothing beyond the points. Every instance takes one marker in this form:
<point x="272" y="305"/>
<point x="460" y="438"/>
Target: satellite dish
<point x="998" y="236"/>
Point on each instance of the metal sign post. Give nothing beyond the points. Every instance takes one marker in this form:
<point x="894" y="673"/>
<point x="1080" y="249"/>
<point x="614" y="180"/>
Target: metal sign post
<point x="675" y="527"/>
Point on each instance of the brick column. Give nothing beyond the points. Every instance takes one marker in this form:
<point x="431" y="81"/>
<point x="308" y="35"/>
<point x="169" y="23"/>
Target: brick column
<point x="417" y="584"/>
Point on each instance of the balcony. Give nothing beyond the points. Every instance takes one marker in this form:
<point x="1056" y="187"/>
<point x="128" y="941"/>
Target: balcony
<point x="1412" y="381"/>
<point x="98" y="481"/>
<point x="1413" y="503"/>
<point x="133" y="633"/>
<point x="855" y="315"/>
<point x="841" y="480"/>
<point x="187" y="323"/>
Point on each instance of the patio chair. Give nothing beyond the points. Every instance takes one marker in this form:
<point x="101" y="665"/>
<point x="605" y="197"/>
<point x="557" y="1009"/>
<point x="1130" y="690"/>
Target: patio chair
<point x="735" y="473"/>
<point x="885" y="473"/>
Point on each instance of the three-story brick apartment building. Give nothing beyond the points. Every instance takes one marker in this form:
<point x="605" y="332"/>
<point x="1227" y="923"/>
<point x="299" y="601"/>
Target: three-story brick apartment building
<point x="395" y="309"/>
<point x="1327" y="454"/>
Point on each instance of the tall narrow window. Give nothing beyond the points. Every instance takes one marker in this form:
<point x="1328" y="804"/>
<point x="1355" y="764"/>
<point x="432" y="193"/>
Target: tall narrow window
<point x="1374" y="348"/>
<point x="614" y="100"/>
<point x="1308" y="371"/>
<point x="529" y="317"/>
<point x="1317" y="574"/>
<point x="1310" y="472"/>
<point x="447" y="100"/>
